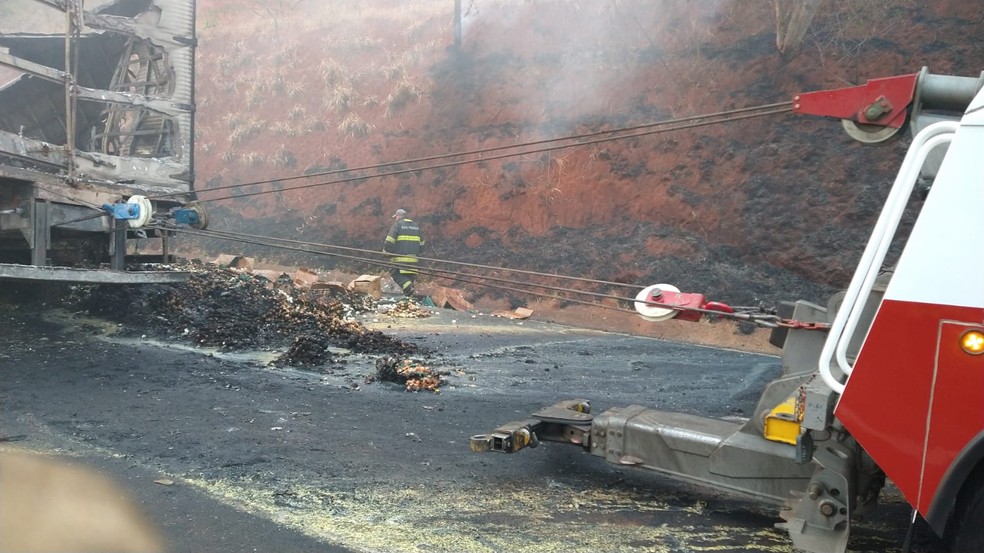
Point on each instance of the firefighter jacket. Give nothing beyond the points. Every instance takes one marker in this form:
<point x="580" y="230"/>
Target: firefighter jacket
<point x="404" y="240"/>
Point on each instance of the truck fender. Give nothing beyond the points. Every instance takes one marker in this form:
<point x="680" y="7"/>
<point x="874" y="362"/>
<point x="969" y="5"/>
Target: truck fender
<point x="963" y="466"/>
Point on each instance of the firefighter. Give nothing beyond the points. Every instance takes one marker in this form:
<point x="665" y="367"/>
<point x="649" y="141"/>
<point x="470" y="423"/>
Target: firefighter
<point x="405" y="243"/>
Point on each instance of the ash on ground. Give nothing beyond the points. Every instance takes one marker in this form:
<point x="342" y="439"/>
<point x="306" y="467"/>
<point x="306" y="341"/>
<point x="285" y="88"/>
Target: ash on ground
<point x="235" y="311"/>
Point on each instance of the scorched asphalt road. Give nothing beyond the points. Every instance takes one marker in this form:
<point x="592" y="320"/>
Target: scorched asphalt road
<point x="261" y="458"/>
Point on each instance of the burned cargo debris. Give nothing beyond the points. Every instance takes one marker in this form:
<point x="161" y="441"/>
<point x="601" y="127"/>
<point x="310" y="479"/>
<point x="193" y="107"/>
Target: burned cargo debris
<point x="234" y="311"/>
<point x="310" y="351"/>
<point x="408" y="309"/>
<point x="408" y="373"/>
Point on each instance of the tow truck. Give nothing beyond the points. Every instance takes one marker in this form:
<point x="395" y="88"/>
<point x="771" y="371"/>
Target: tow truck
<point x="883" y="382"/>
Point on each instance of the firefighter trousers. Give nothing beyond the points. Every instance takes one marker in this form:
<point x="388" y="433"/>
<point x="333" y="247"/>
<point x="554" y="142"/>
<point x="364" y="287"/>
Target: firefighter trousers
<point x="404" y="281"/>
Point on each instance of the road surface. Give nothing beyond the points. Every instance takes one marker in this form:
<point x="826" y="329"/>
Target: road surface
<point x="259" y="458"/>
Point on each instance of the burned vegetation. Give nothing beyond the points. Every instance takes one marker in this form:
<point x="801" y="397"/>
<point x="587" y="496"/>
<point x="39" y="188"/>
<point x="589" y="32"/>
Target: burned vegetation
<point x="232" y="310"/>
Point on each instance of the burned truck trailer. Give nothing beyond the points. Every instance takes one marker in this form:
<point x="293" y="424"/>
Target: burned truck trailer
<point x="96" y="133"/>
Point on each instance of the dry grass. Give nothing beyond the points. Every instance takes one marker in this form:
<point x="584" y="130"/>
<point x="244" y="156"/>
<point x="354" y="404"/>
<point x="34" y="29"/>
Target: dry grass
<point x="561" y="165"/>
<point x="230" y="86"/>
<point x="355" y="126"/>
<point x="340" y="99"/>
<point x="231" y="64"/>
<point x="253" y="159"/>
<point x="276" y="84"/>
<point x="246" y="130"/>
<point x="224" y="63"/>
<point x="288" y="55"/>
<point x="402" y="94"/>
<point x="358" y="43"/>
<point x="294" y="90"/>
<point x="313" y="124"/>
<point x="233" y="120"/>
<point x="284" y="128"/>
<point x="393" y="71"/>
<point x="344" y="15"/>
<point x="255" y="95"/>
<point x="284" y="157"/>
<point x="296" y="112"/>
<point x="332" y="73"/>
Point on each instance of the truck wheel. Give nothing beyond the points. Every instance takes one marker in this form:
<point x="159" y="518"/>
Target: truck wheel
<point x="968" y="532"/>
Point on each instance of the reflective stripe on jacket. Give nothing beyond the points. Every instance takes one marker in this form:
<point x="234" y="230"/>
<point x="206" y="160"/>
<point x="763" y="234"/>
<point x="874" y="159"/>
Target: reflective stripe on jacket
<point x="405" y="241"/>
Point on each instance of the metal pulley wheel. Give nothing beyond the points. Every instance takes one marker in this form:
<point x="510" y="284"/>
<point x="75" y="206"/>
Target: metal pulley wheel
<point x="199" y="210"/>
<point x="653" y="312"/>
<point x="869" y="134"/>
<point x="145" y="211"/>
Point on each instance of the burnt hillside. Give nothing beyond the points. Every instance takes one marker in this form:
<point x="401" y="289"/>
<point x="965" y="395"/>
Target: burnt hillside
<point x="758" y="210"/>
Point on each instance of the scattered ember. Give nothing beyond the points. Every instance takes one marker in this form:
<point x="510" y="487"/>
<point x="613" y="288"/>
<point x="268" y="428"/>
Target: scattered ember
<point x="404" y="371"/>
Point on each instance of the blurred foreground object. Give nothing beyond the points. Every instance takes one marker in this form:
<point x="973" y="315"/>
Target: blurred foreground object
<point x="48" y="506"/>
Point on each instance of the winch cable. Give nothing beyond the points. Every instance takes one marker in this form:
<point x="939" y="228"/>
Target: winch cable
<point x="80" y="219"/>
<point x="100" y="212"/>
<point x="482" y="280"/>
<point x="761" y="319"/>
<point x="67" y="197"/>
<point x="748" y="314"/>
<point x="70" y="199"/>
<point x="664" y="126"/>
<point x="469" y="161"/>
<point x="429" y="259"/>
<point x="432" y="271"/>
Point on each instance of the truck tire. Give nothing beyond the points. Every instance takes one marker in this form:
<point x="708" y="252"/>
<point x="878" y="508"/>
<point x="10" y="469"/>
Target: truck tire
<point x="967" y="531"/>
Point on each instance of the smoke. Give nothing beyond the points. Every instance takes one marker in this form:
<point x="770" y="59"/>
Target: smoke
<point x="568" y="60"/>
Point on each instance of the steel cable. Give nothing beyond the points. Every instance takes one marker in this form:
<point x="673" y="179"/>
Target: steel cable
<point x="664" y="126"/>
<point x="70" y="199"/>
<point x="761" y="319"/>
<point x="432" y="271"/>
<point x="468" y="161"/>
<point x="434" y="260"/>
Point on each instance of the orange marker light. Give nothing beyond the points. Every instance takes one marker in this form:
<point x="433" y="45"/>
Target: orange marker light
<point x="972" y="342"/>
